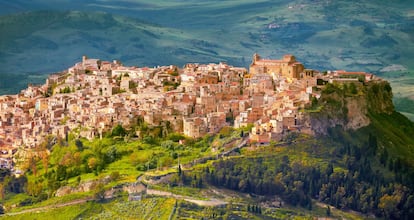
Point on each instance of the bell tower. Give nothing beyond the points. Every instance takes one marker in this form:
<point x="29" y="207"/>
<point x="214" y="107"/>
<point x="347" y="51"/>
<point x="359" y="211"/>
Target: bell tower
<point x="256" y="57"/>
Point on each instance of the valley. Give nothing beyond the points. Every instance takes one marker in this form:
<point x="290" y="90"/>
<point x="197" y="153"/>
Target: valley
<point x="140" y="109"/>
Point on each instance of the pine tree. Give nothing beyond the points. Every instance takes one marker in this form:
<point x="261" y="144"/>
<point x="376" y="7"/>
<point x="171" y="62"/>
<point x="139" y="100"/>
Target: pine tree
<point x="328" y="211"/>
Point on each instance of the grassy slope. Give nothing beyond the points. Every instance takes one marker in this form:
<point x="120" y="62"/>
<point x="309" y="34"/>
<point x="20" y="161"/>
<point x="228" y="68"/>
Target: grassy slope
<point x="393" y="132"/>
<point x="156" y="207"/>
<point x="150" y="208"/>
<point x="161" y="208"/>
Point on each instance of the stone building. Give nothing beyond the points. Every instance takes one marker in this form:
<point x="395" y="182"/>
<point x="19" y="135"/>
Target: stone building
<point x="287" y="66"/>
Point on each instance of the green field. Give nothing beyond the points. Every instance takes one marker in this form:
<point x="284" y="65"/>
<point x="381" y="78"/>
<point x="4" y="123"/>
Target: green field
<point x="149" y="208"/>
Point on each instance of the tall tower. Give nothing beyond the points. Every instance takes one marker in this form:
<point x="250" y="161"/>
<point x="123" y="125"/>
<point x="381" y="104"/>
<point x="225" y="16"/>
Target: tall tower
<point x="256" y="57"/>
<point x="84" y="58"/>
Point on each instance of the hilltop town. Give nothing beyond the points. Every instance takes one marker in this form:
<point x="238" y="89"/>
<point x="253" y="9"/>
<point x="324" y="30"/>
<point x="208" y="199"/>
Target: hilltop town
<point x="91" y="97"/>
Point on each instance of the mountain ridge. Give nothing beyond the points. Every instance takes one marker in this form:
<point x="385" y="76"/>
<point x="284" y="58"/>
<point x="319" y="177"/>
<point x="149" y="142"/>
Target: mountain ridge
<point x="326" y="35"/>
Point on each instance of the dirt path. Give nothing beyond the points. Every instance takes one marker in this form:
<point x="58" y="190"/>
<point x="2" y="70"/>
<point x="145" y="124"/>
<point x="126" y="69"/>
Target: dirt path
<point x="210" y="202"/>
<point x="45" y="208"/>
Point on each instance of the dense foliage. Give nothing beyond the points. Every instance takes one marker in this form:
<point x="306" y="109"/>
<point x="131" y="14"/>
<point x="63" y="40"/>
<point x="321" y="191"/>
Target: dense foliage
<point x="354" y="178"/>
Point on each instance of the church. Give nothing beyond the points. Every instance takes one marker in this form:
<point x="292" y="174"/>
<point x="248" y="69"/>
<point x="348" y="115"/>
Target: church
<point x="287" y="67"/>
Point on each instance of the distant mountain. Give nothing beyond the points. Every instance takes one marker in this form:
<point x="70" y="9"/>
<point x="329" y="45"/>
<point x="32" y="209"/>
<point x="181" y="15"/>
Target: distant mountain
<point x="364" y="36"/>
<point x="38" y="42"/>
<point x="51" y="40"/>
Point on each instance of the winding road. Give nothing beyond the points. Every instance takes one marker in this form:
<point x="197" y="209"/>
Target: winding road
<point x="210" y="202"/>
<point x="45" y="208"/>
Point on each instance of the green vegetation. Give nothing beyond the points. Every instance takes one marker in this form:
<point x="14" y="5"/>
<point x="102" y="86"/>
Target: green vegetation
<point x="68" y="212"/>
<point x="76" y="161"/>
<point x="304" y="174"/>
<point x="150" y="208"/>
<point x="340" y="173"/>
<point x="65" y="90"/>
<point x="181" y="32"/>
<point x="369" y="170"/>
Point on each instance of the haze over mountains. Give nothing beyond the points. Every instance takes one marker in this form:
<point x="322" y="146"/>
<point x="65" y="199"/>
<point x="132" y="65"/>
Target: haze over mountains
<point x="88" y="146"/>
<point x="42" y="36"/>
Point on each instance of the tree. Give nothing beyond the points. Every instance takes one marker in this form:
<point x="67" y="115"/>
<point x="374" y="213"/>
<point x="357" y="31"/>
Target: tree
<point x="384" y="157"/>
<point x="353" y="89"/>
<point x="179" y="170"/>
<point x="92" y="163"/>
<point x="4" y="173"/>
<point x="328" y="211"/>
<point x="79" y="144"/>
<point x="114" y="175"/>
<point x="45" y="160"/>
<point x="329" y="169"/>
<point x="31" y="163"/>
<point x="168" y="144"/>
<point x="77" y="158"/>
<point x="314" y="101"/>
<point x="34" y="189"/>
<point x="78" y="180"/>
<point x="110" y="155"/>
<point x="149" y="140"/>
<point x="119" y="131"/>
<point x="225" y="131"/>
<point x="243" y="185"/>
<point x="2" y="191"/>
<point x="388" y="204"/>
<point x="99" y="192"/>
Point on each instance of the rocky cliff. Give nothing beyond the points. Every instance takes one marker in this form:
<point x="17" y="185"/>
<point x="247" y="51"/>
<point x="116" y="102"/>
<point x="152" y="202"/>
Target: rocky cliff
<point x="349" y="105"/>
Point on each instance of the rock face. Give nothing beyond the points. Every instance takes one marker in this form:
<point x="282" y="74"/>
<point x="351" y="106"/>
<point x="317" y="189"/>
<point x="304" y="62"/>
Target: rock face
<point x="130" y="188"/>
<point x="357" y="113"/>
<point x="351" y="110"/>
<point x="83" y="187"/>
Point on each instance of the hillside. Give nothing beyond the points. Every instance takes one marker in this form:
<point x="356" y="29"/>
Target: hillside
<point x="315" y="30"/>
<point x="351" y="117"/>
<point x="302" y="177"/>
<point x="99" y="34"/>
<point x="347" y="165"/>
<point x="113" y="138"/>
<point x="36" y="43"/>
<point x="326" y="35"/>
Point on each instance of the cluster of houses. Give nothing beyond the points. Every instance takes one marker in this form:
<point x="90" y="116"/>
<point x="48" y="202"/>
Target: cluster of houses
<point x="93" y="96"/>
